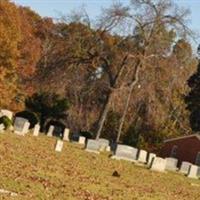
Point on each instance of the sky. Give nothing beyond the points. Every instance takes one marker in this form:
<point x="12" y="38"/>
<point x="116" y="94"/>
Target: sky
<point x="53" y="8"/>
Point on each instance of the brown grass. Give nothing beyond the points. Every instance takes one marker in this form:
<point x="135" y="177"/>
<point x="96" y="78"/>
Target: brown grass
<point x="30" y="167"/>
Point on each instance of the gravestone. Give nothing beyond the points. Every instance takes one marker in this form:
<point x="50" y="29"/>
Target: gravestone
<point x="2" y="128"/>
<point x="103" y="144"/>
<point x="185" y="166"/>
<point x="171" y="164"/>
<point x="198" y="172"/>
<point x="158" y="164"/>
<point x="92" y="146"/>
<point x="26" y="128"/>
<point x="21" y="126"/>
<point x="108" y="148"/>
<point x="59" y="145"/>
<point x="150" y="157"/>
<point x="125" y="152"/>
<point x="142" y="157"/>
<point x="50" y="131"/>
<point x="36" y="130"/>
<point x="66" y="134"/>
<point x="193" y="172"/>
<point x="11" y="128"/>
<point x="7" y="113"/>
<point x="81" y="140"/>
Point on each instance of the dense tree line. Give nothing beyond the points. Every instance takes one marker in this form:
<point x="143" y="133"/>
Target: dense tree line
<point x="125" y="76"/>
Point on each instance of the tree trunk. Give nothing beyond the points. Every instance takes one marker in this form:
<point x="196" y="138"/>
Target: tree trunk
<point x="103" y="115"/>
<point x="113" y="84"/>
<point x="135" y="80"/>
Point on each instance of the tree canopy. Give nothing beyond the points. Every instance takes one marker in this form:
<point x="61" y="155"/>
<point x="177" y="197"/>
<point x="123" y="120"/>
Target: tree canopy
<point x="125" y="75"/>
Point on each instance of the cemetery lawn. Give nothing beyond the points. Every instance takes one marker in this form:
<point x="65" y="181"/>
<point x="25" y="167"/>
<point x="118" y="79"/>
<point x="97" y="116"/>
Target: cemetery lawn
<point x="30" y="167"/>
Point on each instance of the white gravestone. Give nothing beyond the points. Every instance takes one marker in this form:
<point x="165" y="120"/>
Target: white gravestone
<point x="158" y="164"/>
<point x="150" y="158"/>
<point x="21" y="126"/>
<point x="185" y="166"/>
<point x="125" y="152"/>
<point x="59" y="145"/>
<point x="193" y="172"/>
<point x="36" y="130"/>
<point x="66" y="134"/>
<point x="2" y="128"/>
<point x="108" y="148"/>
<point x="81" y="140"/>
<point x="142" y="157"/>
<point x="50" y="131"/>
<point x="11" y="128"/>
<point x="171" y="164"/>
<point x="103" y="144"/>
<point x="92" y="146"/>
<point x="26" y="128"/>
<point x="7" y="113"/>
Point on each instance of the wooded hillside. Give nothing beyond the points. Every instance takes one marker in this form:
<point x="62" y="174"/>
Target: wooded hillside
<point x="125" y="75"/>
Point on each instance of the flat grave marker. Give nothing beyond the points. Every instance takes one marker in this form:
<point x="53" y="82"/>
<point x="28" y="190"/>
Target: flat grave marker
<point x="59" y="146"/>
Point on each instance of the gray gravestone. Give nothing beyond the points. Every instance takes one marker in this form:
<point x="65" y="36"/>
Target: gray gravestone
<point x="81" y="140"/>
<point x="103" y="144"/>
<point x="36" y="130"/>
<point x="158" y="164"/>
<point x="185" y="166"/>
<point x="193" y="172"/>
<point x="59" y="146"/>
<point x="171" y="164"/>
<point x="92" y="146"/>
<point x="125" y="152"/>
<point x="142" y="157"/>
<point x="151" y="156"/>
<point x="50" y="131"/>
<point x="198" y="172"/>
<point x="21" y="125"/>
<point x="66" y="134"/>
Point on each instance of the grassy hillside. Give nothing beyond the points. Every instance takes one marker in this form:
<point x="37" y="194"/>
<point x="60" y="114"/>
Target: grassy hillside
<point x="30" y="167"/>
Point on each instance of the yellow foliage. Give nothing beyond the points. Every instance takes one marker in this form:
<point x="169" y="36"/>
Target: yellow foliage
<point x="9" y="39"/>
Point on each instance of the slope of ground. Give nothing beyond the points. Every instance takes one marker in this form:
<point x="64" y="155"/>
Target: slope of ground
<point x="30" y="167"/>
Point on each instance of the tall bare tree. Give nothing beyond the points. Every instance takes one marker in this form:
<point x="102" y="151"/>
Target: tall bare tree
<point x="153" y="29"/>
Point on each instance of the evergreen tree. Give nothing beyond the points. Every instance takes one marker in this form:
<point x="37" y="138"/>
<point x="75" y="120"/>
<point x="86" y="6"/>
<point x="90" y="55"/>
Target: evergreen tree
<point x="193" y="99"/>
<point x="47" y="106"/>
